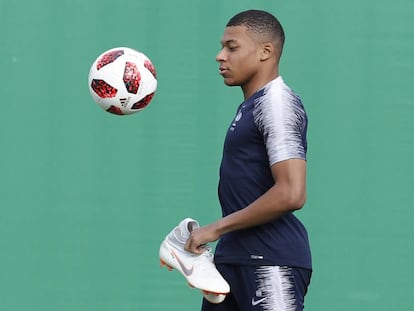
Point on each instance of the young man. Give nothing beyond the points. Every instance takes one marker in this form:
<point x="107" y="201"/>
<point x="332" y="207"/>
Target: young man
<point x="263" y="250"/>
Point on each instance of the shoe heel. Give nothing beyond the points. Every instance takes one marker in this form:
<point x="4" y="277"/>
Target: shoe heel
<point x="213" y="297"/>
<point x="213" y="293"/>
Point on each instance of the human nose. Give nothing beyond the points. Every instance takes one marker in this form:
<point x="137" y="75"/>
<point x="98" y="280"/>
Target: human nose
<point x="220" y="56"/>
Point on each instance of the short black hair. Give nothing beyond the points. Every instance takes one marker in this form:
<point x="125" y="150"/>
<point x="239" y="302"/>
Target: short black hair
<point x="262" y="23"/>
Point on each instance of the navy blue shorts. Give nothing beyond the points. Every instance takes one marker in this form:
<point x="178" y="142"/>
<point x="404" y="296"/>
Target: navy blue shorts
<point x="262" y="288"/>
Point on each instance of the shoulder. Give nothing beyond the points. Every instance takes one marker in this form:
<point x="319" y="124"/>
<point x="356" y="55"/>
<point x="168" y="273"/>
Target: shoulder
<point x="278" y="93"/>
<point x="277" y="104"/>
<point x="281" y="118"/>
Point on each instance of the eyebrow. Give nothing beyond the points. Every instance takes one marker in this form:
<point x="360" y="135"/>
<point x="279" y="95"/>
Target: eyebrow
<point x="230" y="41"/>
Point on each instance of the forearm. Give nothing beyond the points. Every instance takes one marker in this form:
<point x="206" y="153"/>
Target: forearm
<point x="273" y="204"/>
<point x="288" y="194"/>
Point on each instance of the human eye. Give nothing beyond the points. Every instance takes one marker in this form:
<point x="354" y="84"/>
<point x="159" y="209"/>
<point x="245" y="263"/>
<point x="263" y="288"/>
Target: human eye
<point x="232" y="47"/>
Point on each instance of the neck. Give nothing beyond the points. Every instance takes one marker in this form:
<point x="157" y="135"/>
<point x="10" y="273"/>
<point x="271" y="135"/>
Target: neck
<point x="250" y="88"/>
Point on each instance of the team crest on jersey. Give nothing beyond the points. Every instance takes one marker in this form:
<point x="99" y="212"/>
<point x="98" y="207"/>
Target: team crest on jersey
<point x="236" y="119"/>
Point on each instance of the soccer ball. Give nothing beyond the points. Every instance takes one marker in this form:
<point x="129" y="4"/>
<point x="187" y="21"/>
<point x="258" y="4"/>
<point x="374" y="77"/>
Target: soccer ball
<point x="122" y="81"/>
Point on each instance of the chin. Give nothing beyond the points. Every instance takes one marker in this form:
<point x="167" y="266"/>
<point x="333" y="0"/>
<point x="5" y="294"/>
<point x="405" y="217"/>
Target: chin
<point x="229" y="82"/>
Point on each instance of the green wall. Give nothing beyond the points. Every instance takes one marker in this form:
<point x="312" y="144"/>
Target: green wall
<point x="86" y="197"/>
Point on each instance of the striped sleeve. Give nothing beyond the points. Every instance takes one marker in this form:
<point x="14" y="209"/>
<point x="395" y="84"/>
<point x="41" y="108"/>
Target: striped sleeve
<point x="281" y="118"/>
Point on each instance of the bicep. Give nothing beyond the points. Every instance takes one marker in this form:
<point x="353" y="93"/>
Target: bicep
<point x="290" y="177"/>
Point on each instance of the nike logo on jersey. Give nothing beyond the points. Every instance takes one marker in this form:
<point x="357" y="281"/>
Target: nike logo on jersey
<point x="256" y="302"/>
<point x="186" y="270"/>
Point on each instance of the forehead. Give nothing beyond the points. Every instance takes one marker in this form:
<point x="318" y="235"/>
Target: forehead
<point x="235" y="34"/>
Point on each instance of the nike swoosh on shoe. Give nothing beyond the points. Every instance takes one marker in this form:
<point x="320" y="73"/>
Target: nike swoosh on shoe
<point x="186" y="271"/>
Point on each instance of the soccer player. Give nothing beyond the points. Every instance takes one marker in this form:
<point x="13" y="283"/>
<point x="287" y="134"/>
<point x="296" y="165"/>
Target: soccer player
<point x="263" y="250"/>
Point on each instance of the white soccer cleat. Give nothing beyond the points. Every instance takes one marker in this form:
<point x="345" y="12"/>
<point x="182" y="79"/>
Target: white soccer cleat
<point x="199" y="270"/>
<point x="213" y="298"/>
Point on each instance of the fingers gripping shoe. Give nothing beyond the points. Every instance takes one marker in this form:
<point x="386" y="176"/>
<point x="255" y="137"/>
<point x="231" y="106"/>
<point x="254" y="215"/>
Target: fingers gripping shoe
<point x="199" y="270"/>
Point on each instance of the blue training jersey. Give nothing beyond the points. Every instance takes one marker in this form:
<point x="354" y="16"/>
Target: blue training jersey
<point x="269" y="127"/>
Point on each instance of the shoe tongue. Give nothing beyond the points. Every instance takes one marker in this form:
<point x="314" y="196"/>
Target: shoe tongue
<point x="192" y="225"/>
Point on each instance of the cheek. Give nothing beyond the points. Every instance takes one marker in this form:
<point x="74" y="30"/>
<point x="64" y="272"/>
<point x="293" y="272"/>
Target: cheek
<point x="240" y="61"/>
<point x="247" y="58"/>
<point x="247" y="65"/>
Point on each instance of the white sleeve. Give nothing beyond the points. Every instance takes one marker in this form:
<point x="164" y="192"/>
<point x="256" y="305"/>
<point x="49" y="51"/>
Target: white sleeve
<point x="281" y="118"/>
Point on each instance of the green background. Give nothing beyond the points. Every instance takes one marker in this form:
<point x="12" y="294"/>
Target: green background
<point x="86" y="197"/>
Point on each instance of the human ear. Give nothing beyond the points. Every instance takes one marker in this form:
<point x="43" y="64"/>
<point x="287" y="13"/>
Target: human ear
<point x="267" y="51"/>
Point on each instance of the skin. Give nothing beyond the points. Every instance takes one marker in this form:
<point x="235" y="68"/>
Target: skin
<point x="250" y="62"/>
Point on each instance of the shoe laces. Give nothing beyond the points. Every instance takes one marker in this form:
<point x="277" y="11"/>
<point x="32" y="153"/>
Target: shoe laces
<point x="207" y="253"/>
